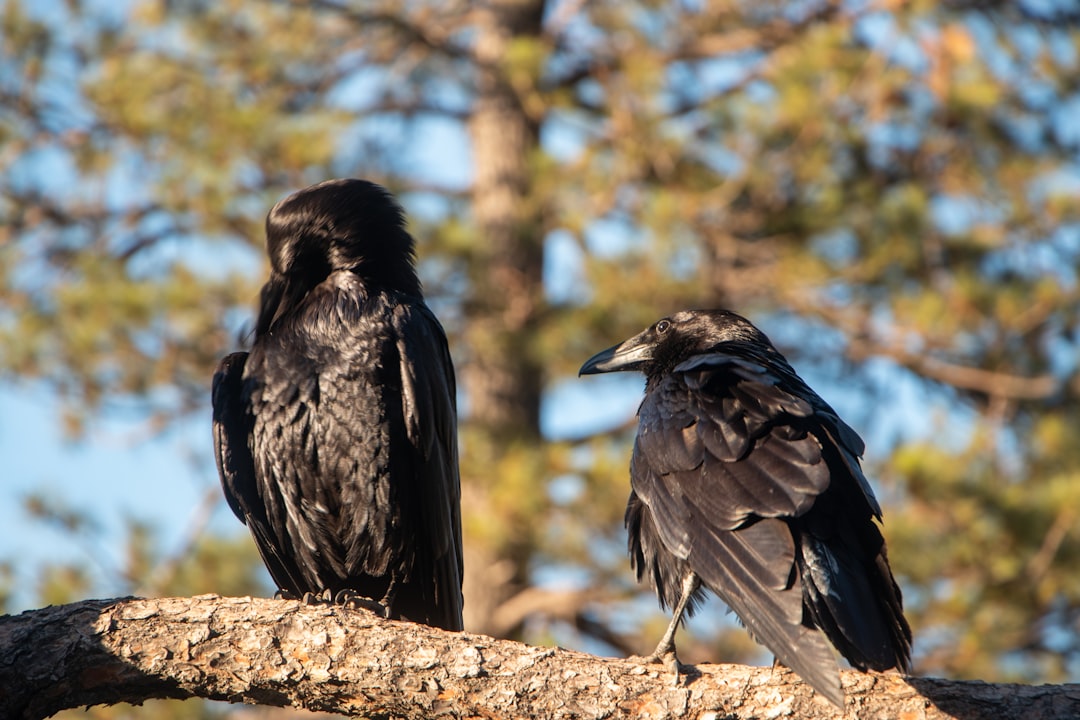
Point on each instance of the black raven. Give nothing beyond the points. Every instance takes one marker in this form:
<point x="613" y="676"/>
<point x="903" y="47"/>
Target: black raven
<point x="745" y="481"/>
<point x="336" y="436"/>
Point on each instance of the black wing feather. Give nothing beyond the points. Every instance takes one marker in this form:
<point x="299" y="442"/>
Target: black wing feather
<point x="744" y="475"/>
<point x="236" y="468"/>
<point x="233" y="457"/>
<point x="429" y="398"/>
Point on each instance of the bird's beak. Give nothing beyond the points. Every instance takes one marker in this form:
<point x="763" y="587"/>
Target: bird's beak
<point x="630" y="355"/>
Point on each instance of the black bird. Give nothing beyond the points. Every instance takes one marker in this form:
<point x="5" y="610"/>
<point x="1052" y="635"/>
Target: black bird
<point x="336" y="436"/>
<point x="744" y="481"/>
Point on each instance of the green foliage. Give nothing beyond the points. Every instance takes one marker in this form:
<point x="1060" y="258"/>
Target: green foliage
<point x="1008" y="542"/>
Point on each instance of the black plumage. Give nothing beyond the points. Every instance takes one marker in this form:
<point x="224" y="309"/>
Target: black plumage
<point x="336" y="436"/>
<point x="746" y="482"/>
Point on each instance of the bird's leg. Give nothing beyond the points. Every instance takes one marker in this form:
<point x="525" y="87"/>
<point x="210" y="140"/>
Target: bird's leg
<point x="777" y="666"/>
<point x="665" y="649"/>
<point x="391" y="591"/>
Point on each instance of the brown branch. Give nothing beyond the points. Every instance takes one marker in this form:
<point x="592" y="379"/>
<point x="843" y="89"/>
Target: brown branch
<point x="285" y="654"/>
<point x="433" y="31"/>
<point x="556" y="604"/>
<point x="568" y="606"/>
<point x="994" y="384"/>
<point x="765" y="38"/>
<point x="963" y="377"/>
<point x="1039" y="563"/>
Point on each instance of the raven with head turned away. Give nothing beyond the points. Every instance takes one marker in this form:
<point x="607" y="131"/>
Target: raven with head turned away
<point x="336" y="436"/>
<point x="744" y="481"/>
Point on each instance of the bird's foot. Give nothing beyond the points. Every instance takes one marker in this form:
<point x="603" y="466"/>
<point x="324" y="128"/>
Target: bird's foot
<point x="355" y="601"/>
<point x="308" y="598"/>
<point x="667" y="658"/>
<point x="319" y="598"/>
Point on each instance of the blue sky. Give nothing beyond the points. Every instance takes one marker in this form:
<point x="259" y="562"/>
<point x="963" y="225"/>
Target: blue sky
<point x="113" y="475"/>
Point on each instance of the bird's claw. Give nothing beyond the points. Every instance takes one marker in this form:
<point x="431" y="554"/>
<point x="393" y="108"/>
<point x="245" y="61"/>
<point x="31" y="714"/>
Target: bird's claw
<point x="667" y="658"/>
<point x="307" y="598"/>
<point x="321" y="598"/>
<point x="355" y="601"/>
<point x="345" y="598"/>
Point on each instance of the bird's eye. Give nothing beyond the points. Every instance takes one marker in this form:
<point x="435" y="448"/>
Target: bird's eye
<point x="662" y="326"/>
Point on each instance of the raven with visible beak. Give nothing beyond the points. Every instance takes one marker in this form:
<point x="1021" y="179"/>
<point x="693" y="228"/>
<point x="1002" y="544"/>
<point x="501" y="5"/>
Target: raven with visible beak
<point x="744" y="481"/>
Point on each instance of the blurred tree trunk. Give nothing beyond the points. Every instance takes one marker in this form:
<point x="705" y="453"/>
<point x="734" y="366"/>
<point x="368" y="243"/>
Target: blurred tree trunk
<point x="502" y="377"/>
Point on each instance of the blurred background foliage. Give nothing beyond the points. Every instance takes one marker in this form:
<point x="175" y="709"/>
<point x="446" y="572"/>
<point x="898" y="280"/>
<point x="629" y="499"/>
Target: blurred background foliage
<point x="890" y="188"/>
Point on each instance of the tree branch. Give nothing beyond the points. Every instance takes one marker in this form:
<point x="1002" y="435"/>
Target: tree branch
<point x="963" y="377"/>
<point x="433" y="31"/>
<point x="736" y="38"/>
<point x="283" y="653"/>
<point x="862" y="345"/>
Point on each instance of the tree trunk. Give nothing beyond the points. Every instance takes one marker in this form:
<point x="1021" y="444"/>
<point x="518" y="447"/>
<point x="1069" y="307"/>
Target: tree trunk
<point x="285" y="654"/>
<point x="502" y="376"/>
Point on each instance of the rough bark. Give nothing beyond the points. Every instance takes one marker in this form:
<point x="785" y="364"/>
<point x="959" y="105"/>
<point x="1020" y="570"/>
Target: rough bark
<point x="283" y="653"/>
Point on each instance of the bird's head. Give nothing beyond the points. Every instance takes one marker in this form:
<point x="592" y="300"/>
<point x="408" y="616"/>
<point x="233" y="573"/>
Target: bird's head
<point x="674" y="339"/>
<point x="342" y="224"/>
<point x="337" y="225"/>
